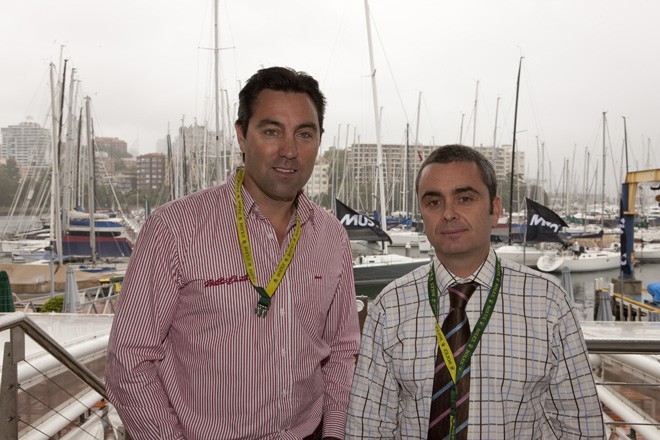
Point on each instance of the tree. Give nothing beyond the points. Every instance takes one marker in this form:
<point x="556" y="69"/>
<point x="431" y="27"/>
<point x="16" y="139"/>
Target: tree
<point x="10" y="177"/>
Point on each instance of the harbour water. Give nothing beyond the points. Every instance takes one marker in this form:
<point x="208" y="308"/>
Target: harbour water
<point x="583" y="283"/>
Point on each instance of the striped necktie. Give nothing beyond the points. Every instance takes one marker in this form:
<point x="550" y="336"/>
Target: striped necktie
<point x="456" y="329"/>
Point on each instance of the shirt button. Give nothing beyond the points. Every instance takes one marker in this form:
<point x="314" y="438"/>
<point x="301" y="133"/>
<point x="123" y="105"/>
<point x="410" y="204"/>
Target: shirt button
<point x="283" y="353"/>
<point x="269" y="235"/>
<point x="282" y="311"/>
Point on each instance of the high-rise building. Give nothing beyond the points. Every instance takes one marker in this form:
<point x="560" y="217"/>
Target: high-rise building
<point x="361" y="168"/>
<point x="318" y="182"/>
<point x="151" y="172"/>
<point x="115" y="147"/>
<point x="28" y="143"/>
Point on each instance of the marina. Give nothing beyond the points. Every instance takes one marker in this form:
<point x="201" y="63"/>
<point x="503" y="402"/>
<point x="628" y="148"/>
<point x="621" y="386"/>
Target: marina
<point x="571" y="147"/>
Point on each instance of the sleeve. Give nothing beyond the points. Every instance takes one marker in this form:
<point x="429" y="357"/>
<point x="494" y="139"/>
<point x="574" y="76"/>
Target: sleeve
<point x="136" y="346"/>
<point x="572" y="405"/>
<point x="342" y="331"/>
<point x="373" y="407"/>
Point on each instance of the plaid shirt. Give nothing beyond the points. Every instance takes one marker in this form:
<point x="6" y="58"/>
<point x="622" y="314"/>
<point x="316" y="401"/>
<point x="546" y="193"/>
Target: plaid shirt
<point x="530" y="376"/>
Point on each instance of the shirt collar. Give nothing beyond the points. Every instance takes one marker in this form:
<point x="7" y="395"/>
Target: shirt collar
<point x="484" y="275"/>
<point x="305" y="207"/>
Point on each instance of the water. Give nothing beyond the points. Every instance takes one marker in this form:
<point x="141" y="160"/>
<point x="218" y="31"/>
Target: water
<point x="583" y="282"/>
<point x="584" y="285"/>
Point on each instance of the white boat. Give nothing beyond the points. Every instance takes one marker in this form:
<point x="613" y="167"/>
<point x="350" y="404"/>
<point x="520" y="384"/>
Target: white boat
<point x="647" y="252"/>
<point x="588" y="261"/>
<point x="10" y="246"/>
<point x="521" y="254"/>
<point x="644" y="252"/>
<point x="376" y="271"/>
<point x="403" y="237"/>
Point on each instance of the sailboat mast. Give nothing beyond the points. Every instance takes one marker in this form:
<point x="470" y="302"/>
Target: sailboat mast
<point x="460" y="134"/>
<point x="406" y="171"/>
<point x="379" y="146"/>
<point x="602" y="194"/>
<point x="513" y="151"/>
<point x="493" y="156"/>
<point x="170" y="164"/>
<point x="497" y="109"/>
<point x="90" y="180"/>
<point x="474" y="126"/>
<point x="220" y="166"/>
<point x="413" y="191"/>
<point x="56" y="226"/>
<point x="77" y="169"/>
<point x="625" y="141"/>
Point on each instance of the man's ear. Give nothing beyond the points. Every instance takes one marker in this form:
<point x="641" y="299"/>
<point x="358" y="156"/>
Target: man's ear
<point x="239" y="136"/>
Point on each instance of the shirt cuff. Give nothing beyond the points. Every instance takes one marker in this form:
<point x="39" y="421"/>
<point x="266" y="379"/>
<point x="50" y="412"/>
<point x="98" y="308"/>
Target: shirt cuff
<point x="334" y="424"/>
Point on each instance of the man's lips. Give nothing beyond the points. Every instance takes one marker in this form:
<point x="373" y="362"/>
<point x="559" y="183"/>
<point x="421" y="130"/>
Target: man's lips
<point x="453" y="231"/>
<point x="284" y="170"/>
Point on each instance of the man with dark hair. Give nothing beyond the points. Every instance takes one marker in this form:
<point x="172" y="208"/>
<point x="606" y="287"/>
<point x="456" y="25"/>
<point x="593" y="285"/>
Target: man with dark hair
<point x="203" y="345"/>
<point x="470" y="346"/>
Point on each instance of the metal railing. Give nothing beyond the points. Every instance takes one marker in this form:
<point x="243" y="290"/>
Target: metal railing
<point x="605" y="338"/>
<point x="19" y="325"/>
<point x="628" y="309"/>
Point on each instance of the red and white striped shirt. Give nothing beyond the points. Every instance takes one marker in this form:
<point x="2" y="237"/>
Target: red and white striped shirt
<point x="188" y="357"/>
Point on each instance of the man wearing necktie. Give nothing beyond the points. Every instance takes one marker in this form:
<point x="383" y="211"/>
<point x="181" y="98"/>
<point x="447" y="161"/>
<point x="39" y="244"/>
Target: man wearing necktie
<point x="471" y="346"/>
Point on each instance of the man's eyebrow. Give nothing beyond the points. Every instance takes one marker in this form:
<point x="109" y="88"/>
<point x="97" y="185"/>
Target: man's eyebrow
<point x="265" y="122"/>
<point x="464" y="189"/>
<point x="454" y="191"/>
<point x="314" y="126"/>
<point x="431" y="194"/>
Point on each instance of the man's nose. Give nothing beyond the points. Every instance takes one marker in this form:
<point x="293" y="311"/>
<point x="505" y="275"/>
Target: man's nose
<point x="449" y="212"/>
<point x="288" y="147"/>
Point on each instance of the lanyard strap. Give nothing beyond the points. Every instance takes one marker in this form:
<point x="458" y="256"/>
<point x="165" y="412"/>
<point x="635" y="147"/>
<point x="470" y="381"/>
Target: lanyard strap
<point x="266" y="294"/>
<point x="456" y="371"/>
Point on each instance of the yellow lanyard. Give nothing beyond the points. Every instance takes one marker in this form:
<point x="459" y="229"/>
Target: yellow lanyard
<point x="479" y="328"/>
<point x="475" y="336"/>
<point x="264" y="294"/>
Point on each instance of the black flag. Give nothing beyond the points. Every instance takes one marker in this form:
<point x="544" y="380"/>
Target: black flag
<point x="358" y="226"/>
<point x="543" y="224"/>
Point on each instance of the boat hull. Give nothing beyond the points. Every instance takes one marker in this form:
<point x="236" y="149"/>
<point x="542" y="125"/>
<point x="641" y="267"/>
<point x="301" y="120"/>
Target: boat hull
<point x="525" y="255"/>
<point x="586" y="262"/>
<point x="373" y="273"/>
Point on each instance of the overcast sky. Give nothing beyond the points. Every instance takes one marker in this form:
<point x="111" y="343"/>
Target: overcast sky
<point x="146" y="64"/>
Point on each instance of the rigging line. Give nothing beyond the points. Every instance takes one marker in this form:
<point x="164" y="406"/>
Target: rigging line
<point x="429" y="118"/>
<point x="389" y="67"/>
<point x="534" y="106"/>
<point x="466" y="128"/>
<point x="335" y="46"/>
<point x="612" y="161"/>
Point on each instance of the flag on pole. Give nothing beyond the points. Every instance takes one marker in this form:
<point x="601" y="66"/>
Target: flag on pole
<point x="359" y="226"/>
<point x="543" y="224"/>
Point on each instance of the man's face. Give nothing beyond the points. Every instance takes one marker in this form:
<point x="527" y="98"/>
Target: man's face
<point x="456" y="210"/>
<point x="280" y="145"/>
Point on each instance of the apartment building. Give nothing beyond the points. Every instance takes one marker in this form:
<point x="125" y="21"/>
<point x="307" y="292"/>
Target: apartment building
<point x="151" y="172"/>
<point x="28" y="143"/>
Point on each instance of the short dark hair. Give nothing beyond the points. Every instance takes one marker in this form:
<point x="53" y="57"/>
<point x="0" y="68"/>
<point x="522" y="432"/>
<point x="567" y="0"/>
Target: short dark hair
<point x="283" y="79"/>
<point x="461" y="153"/>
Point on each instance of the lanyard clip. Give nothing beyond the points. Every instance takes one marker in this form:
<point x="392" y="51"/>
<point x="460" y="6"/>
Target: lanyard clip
<point x="262" y="306"/>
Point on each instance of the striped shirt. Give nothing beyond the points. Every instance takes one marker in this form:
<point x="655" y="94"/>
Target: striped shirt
<point x="530" y="376"/>
<point x="188" y="357"/>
